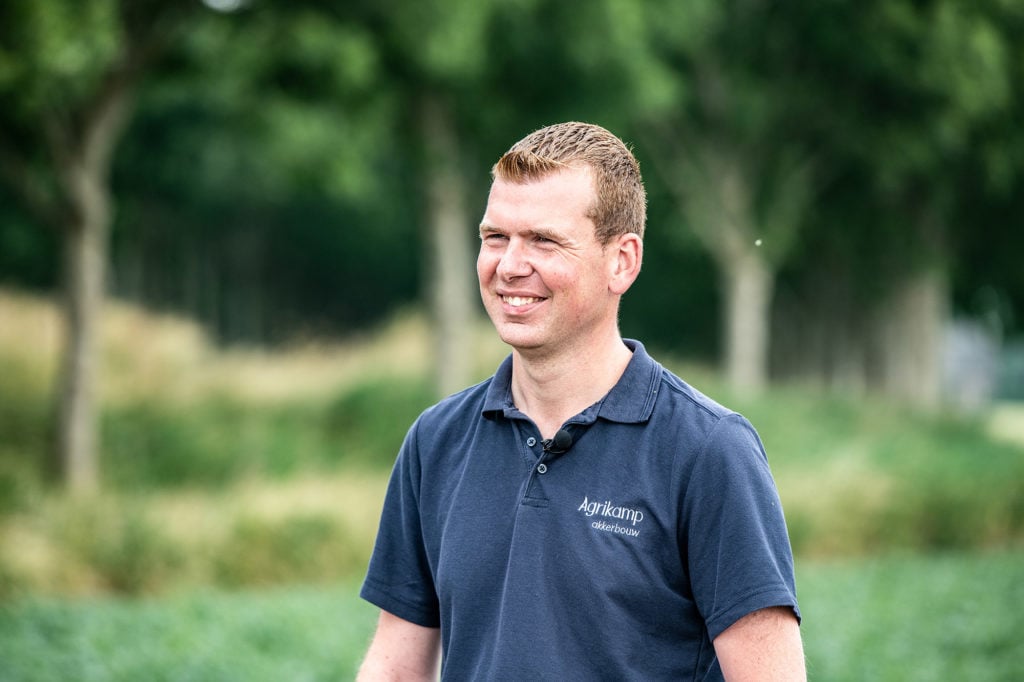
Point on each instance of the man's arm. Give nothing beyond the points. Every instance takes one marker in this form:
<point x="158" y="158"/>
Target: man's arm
<point x="763" y="645"/>
<point x="401" y="650"/>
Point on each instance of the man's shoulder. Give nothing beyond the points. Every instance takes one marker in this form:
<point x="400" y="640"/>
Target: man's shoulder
<point x="685" y="415"/>
<point x="681" y="395"/>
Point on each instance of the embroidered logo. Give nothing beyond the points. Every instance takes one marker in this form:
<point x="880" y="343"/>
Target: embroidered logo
<point x="610" y="510"/>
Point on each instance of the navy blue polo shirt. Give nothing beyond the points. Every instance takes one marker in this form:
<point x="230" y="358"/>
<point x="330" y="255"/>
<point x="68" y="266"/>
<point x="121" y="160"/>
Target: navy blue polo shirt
<point x="621" y="559"/>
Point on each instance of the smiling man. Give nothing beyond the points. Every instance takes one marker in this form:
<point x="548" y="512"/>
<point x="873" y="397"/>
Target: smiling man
<point x="584" y="514"/>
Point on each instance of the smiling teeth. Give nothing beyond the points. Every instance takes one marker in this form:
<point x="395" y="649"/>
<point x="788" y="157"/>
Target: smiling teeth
<point x="516" y="301"/>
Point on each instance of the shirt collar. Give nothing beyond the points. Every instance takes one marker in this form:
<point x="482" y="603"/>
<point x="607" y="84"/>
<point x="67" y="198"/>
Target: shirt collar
<point x="630" y="401"/>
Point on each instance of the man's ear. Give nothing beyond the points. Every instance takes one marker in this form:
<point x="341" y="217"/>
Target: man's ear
<point x="625" y="266"/>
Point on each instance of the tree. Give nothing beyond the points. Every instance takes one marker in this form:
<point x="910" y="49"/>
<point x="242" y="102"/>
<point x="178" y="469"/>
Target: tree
<point x="67" y="87"/>
<point x="265" y="188"/>
<point x="349" y="92"/>
<point x="435" y="53"/>
<point x="901" y="90"/>
<point x="730" y="153"/>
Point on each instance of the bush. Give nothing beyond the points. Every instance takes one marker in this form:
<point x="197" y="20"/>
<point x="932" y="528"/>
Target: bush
<point x="308" y="548"/>
<point x="370" y="420"/>
<point x="24" y="431"/>
<point x="153" y="445"/>
<point x="218" y="440"/>
<point x="123" y="549"/>
<point x="862" y="477"/>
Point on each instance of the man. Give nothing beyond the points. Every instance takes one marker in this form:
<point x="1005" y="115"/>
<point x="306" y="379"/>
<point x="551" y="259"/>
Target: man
<point x="584" y="514"/>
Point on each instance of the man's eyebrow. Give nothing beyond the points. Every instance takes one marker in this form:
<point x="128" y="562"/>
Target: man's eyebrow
<point x="544" y="233"/>
<point x="536" y="232"/>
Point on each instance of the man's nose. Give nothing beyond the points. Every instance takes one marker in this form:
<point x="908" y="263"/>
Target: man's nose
<point x="514" y="261"/>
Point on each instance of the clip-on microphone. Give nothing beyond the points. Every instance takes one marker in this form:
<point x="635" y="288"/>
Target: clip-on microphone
<point x="559" y="444"/>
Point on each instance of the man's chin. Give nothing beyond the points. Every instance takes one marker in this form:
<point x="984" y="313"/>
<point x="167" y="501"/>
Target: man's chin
<point x="518" y="337"/>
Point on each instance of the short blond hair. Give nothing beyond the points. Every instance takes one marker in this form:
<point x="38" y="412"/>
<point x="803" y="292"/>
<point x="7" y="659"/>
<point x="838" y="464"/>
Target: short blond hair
<point x="621" y="202"/>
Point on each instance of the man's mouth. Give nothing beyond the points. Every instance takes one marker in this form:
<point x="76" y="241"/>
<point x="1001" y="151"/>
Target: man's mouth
<point x="518" y="301"/>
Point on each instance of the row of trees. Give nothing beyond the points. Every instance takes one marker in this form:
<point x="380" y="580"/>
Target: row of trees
<point x="827" y="179"/>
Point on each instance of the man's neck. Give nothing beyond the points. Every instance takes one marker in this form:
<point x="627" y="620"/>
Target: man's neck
<point x="552" y="388"/>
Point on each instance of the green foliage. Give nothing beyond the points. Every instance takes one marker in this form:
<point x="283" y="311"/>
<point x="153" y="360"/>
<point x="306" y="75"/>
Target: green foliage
<point x="214" y="441"/>
<point x="908" y="618"/>
<point x="296" y="120"/>
<point x="855" y="477"/>
<point x="55" y="49"/>
<point x="903" y="618"/>
<point x="298" y="634"/>
<point x="437" y="40"/>
<point x="303" y="549"/>
<point x="372" y="418"/>
<point x="24" y="434"/>
<point x="211" y="442"/>
<point x="27" y="254"/>
<point x="24" y="407"/>
<point x="152" y="445"/>
<point x="256" y="533"/>
<point x="123" y="547"/>
<point x="863" y="476"/>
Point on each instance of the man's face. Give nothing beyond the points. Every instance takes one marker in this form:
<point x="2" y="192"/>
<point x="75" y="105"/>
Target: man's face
<point x="544" y="277"/>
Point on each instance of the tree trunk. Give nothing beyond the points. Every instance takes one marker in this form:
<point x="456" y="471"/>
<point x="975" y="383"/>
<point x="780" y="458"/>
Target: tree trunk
<point x="83" y="157"/>
<point x="818" y="333"/>
<point x="910" y="336"/>
<point x="749" y="283"/>
<point x="451" y="260"/>
<point x="723" y="217"/>
<point x="85" y="254"/>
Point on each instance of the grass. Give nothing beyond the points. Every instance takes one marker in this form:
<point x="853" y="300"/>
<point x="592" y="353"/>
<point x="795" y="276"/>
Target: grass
<point x="914" y="618"/>
<point x="900" y="618"/>
<point x="252" y="533"/>
<point x="290" y="634"/>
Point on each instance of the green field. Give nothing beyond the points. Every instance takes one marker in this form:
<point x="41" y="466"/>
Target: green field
<point x="913" y="618"/>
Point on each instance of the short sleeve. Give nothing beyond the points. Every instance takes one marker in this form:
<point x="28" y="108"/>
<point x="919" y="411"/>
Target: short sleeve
<point x="737" y="548"/>
<point x="399" y="579"/>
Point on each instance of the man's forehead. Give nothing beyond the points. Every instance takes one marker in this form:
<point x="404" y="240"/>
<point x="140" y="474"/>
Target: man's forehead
<point x="573" y="168"/>
<point x="560" y="188"/>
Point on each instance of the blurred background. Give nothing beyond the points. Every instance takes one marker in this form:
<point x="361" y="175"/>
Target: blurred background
<point x="237" y="243"/>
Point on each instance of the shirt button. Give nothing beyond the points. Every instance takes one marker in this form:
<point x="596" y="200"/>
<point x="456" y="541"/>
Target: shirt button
<point x="542" y="468"/>
<point x="531" y="441"/>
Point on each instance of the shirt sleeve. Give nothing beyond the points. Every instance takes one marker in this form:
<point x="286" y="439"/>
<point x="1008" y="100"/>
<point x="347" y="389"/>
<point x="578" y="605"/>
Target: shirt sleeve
<point x="399" y="579"/>
<point x="737" y="547"/>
